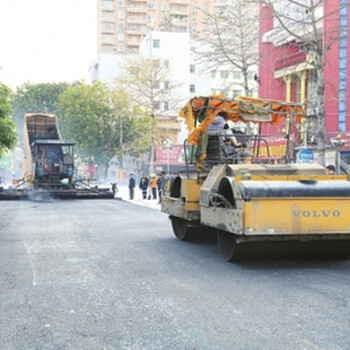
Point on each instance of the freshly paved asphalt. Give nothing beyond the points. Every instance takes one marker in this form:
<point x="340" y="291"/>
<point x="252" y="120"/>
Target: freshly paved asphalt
<point x="109" y="274"/>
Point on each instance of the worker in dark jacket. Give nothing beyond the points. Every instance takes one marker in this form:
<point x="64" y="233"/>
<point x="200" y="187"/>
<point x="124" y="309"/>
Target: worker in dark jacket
<point x="144" y="185"/>
<point x="131" y="186"/>
<point x="161" y="185"/>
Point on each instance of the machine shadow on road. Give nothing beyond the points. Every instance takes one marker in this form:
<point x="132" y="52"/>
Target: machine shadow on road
<point x="294" y="264"/>
<point x="266" y="258"/>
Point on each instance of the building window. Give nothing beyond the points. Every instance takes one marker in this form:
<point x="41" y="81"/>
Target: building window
<point x="166" y="64"/>
<point x="107" y="15"/>
<point x="166" y="85"/>
<point x="342" y="53"/>
<point x="156" y="63"/>
<point x="236" y="75"/>
<point x="121" y="14"/>
<point x="107" y="38"/>
<point x="213" y="74"/>
<point x="108" y="4"/>
<point x="250" y="75"/>
<point x="107" y="49"/>
<point x="156" y="43"/>
<point x="133" y="49"/>
<point x="120" y="37"/>
<point x="224" y="92"/>
<point x="192" y="88"/>
<point x="342" y="106"/>
<point x="236" y="93"/>
<point x="121" y="28"/>
<point x="107" y="26"/>
<point x="166" y="105"/>
<point x="121" y="3"/>
<point x="156" y="105"/>
<point x="192" y="68"/>
<point x="224" y="74"/>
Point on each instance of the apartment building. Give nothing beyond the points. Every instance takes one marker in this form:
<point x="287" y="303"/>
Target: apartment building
<point x="124" y="23"/>
<point x="172" y="51"/>
<point x="229" y="83"/>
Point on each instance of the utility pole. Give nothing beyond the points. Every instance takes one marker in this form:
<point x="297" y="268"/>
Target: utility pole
<point x="151" y="160"/>
<point x="121" y="145"/>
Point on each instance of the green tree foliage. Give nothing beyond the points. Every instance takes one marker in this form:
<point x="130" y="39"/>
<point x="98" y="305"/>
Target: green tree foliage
<point x="96" y="118"/>
<point x="133" y="127"/>
<point x="8" y="136"/>
<point x="137" y="134"/>
<point x="35" y="98"/>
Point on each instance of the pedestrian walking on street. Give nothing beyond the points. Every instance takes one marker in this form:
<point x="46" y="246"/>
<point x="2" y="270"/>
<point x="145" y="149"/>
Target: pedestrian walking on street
<point x="131" y="186"/>
<point x="144" y="185"/>
<point x="114" y="188"/>
<point x="154" y="185"/>
<point x="161" y="185"/>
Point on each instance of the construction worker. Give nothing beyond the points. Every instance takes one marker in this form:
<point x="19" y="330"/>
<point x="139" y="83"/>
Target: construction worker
<point x="144" y="185"/>
<point x="153" y="185"/>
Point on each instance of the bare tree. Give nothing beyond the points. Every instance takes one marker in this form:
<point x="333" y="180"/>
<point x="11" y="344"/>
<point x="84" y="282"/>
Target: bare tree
<point x="121" y="107"/>
<point x="230" y="39"/>
<point x="148" y="82"/>
<point x="303" y="21"/>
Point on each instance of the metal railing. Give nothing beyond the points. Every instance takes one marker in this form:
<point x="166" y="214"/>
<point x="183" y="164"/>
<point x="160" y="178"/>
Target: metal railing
<point x="344" y="165"/>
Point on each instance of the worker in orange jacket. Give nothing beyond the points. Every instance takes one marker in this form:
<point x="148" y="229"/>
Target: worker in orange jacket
<point x="153" y="185"/>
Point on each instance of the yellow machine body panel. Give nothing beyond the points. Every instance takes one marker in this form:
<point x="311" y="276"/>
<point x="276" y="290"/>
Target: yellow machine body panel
<point x="182" y="198"/>
<point x="190" y="189"/>
<point x="285" y="216"/>
<point x="36" y="125"/>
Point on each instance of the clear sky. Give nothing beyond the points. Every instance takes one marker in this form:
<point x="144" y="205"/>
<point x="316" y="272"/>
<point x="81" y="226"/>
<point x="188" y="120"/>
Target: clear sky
<point x="46" y="40"/>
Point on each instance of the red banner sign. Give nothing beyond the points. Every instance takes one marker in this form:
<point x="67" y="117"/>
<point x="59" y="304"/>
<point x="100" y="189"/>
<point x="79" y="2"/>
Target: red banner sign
<point x="173" y="155"/>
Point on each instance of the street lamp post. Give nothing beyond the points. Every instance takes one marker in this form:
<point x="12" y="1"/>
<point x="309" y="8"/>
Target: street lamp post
<point x="168" y="146"/>
<point x="168" y="162"/>
<point x="338" y="142"/>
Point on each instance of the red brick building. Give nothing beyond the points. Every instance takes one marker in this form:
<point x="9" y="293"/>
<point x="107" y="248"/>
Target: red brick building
<point x="285" y="74"/>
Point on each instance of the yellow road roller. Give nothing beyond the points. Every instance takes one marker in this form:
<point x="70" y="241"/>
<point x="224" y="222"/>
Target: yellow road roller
<point x="259" y="202"/>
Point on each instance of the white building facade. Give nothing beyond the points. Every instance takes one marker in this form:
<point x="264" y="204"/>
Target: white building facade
<point x="174" y="50"/>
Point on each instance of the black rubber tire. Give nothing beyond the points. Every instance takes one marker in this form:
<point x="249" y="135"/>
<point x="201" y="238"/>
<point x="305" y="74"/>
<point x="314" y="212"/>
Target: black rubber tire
<point x="229" y="249"/>
<point x="181" y="229"/>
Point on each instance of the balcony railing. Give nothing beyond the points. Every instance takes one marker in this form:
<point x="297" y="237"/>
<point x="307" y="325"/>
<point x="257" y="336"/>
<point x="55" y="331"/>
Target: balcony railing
<point x="291" y="60"/>
<point x="134" y="19"/>
<point x="179" y="22"/>
<point x="182" y="11"/>
<point x="179" y="2"/>
<point x="136" y="9"/>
